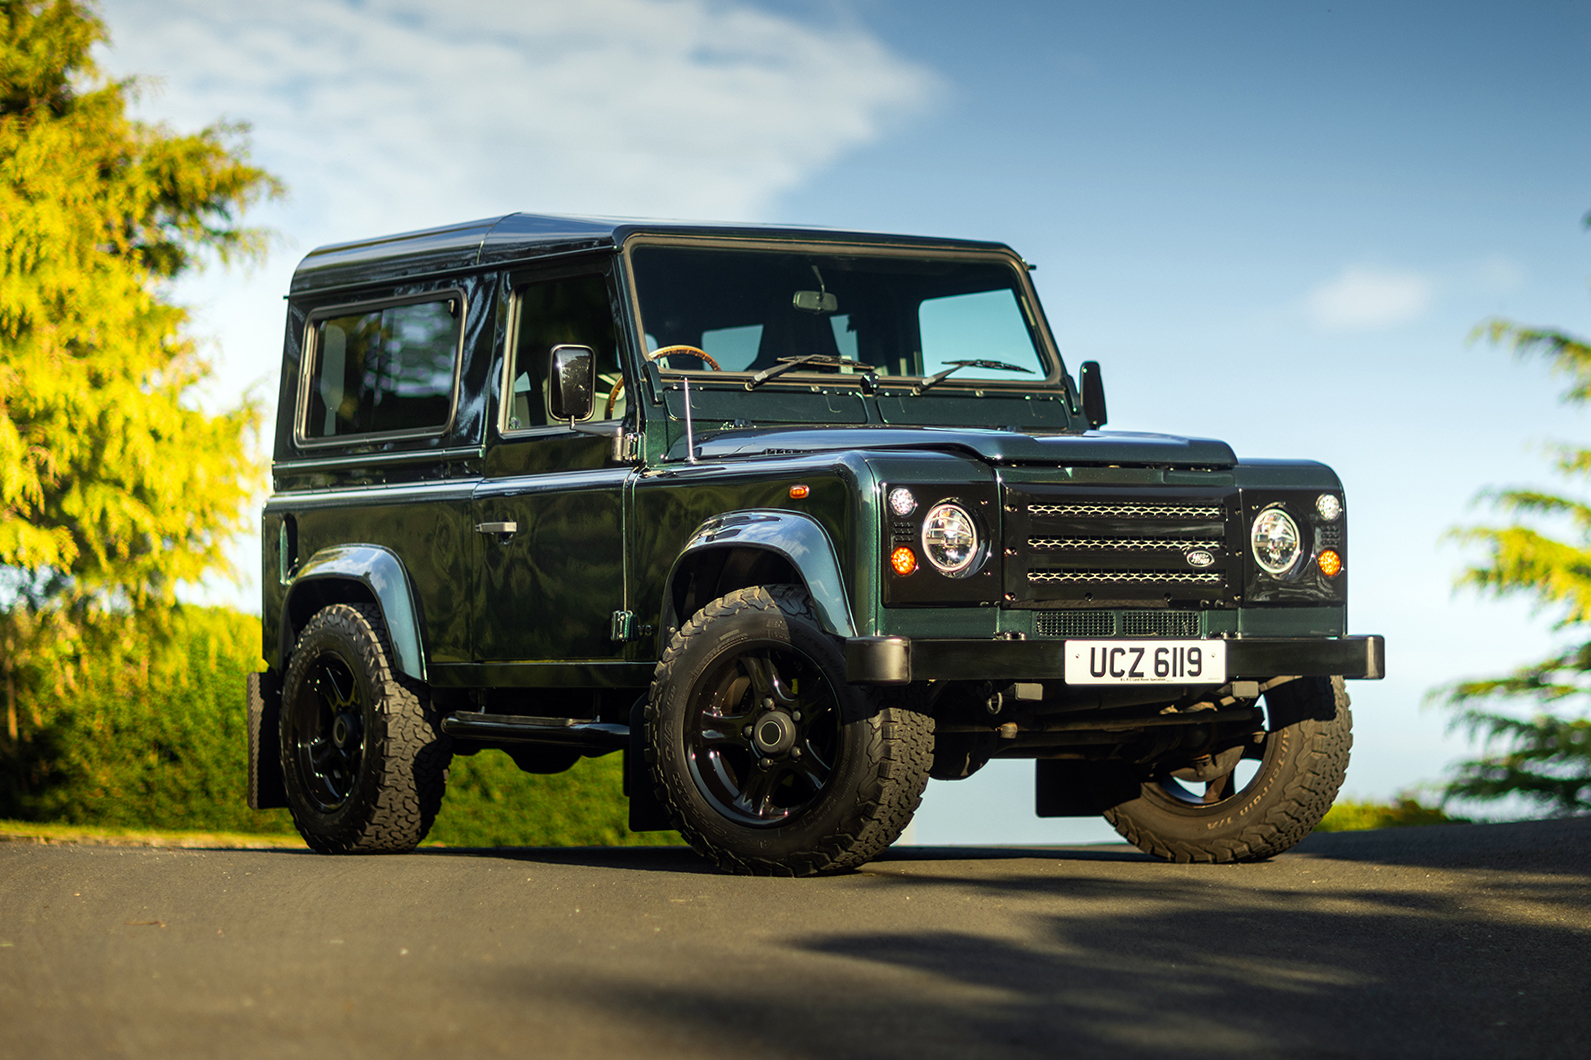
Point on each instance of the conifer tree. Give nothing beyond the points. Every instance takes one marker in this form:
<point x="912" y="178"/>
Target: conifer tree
<point x="1544" y="757"/>
<point x="114" y="484"/>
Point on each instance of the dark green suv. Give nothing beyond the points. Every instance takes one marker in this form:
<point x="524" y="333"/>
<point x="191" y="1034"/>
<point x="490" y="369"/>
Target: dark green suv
<point x="792" y="519"/>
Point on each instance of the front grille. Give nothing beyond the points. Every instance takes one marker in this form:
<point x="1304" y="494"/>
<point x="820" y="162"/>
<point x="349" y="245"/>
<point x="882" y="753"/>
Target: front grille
<point x="1122" y="548"/>
<point x="1076" y="624"/>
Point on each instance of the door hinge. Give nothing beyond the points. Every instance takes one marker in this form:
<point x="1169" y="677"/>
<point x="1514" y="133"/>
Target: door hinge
<point x="625" y="627"/>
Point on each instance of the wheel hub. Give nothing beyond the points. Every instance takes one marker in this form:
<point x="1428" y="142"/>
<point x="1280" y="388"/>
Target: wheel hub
<point x="774" y="733"/>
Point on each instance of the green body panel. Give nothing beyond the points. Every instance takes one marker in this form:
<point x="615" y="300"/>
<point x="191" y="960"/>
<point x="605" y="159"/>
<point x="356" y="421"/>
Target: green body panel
<point x="547" y="592"/>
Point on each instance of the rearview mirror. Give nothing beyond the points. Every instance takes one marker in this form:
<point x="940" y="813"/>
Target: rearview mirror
<point x="571" y="379"/>
<point x="1093" y="387"/>
<point x="815" y="301"/>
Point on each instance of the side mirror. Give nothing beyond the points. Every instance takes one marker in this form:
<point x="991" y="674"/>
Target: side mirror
<point x="571" y="381"/>
<point x="1093" y="388"/>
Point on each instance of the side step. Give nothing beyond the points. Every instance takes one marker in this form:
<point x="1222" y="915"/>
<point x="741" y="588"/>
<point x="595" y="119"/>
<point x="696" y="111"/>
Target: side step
<point x="520" y="728"/>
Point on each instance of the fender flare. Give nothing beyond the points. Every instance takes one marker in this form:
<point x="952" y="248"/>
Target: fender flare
<point x="796" y="537"/>
<point x="381" y="573"/>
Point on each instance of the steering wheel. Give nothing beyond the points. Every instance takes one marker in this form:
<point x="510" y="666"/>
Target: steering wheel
<point x="655" y="355"/>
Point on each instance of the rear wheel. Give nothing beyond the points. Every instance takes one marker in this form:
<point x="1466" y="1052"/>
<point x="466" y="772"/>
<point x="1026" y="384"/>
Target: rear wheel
<point x="1253" y="801"/>
<point x="363" y="755"/>
<point x="768" y="762"/>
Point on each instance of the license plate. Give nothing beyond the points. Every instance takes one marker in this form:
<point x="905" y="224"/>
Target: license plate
<point x="1145" y="662"/>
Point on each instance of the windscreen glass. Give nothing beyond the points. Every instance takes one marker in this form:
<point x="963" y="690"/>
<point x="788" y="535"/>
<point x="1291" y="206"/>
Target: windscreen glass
<point x="745" y="310"/>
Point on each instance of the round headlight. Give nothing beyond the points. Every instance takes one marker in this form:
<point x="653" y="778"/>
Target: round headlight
<point x="950" y="539"/>
<point x="1275" y="540"/>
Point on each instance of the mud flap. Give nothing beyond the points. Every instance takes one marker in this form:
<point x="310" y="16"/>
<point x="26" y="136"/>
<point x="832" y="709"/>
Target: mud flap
<point x="647" y="813"/>
<point x="266" y="790"/>
<point x="1067" y="787"/>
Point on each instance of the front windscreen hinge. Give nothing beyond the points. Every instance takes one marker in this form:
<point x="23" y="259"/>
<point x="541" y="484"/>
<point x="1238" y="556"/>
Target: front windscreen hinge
<point x="626" y="447"/>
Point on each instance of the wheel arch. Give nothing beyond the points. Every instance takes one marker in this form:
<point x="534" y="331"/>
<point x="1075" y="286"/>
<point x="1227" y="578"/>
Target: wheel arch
<point x="737" y="550"/>
<point x="349" y="574"/>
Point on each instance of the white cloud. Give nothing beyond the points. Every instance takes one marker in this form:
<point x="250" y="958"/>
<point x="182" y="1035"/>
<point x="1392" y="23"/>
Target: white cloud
<point x="396" y="113"/>
<point x="1369" y="299"/>
<point x="387" y="115"/>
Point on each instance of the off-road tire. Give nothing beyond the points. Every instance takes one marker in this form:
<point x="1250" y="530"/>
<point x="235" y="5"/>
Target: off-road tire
<point x="1304" y="761"/>
<point x="396" y="788"/>
<point x="884" y="750"/>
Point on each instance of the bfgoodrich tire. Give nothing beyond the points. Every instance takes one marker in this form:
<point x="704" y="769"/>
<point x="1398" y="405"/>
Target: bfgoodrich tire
<point x="767" y="761"/>
<point x="364" y="759"/>
<point x="1303" y="758"/>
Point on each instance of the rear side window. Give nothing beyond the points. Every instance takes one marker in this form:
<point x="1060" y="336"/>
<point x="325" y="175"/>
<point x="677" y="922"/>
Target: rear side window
<point x="383" y="369"/>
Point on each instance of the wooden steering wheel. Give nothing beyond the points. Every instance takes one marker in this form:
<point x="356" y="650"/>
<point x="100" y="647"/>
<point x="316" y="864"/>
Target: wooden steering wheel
<point x="701" y="354"/>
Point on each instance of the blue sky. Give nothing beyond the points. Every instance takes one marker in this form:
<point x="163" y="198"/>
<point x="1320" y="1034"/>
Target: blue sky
<point x="1275" y="224"/>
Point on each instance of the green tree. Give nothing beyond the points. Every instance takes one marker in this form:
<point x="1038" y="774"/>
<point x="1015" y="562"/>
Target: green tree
<point x="114" y="484"/>
<point x="1544" y="757"/>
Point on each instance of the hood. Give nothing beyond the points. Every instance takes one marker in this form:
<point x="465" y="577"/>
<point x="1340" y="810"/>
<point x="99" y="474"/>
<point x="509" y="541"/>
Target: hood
<point x="993" y="446"/>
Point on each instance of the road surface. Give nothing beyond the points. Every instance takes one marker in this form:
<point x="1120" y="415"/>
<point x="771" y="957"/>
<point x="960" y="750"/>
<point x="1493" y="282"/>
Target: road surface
<point x="1454" y="941"/>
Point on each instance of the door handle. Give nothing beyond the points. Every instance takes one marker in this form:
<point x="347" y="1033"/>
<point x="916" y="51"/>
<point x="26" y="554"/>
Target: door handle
<point x="496" y="528"/>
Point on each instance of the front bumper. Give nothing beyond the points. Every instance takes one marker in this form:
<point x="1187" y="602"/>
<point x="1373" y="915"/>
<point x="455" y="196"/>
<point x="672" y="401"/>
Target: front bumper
<point x="901" y="660"/>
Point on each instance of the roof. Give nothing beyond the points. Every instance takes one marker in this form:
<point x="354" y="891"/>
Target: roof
<point x="522" y="236"/>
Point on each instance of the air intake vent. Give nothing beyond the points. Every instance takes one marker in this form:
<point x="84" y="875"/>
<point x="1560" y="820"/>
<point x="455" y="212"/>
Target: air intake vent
<point x="1160" y="624"/>
<point x="1076" y="624"/>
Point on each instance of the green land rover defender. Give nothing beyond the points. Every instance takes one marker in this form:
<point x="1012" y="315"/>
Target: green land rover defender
<point x="793" y="520"/>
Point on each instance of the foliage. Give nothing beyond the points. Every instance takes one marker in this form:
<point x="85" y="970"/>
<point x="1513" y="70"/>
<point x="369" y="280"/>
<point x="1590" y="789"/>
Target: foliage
<point x="1545" y="758"/>
<point x="128" y="737"/>
<point x="114" y="485"/>
<point x="490" y="803"/>
<point x="1402" y="812"/>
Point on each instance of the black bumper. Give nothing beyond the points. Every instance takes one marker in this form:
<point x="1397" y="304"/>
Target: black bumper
<point x="901" y="660"/>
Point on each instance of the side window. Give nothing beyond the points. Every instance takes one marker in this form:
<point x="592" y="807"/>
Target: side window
<point x="383" y="370"/>
<point x="572" y="311"/>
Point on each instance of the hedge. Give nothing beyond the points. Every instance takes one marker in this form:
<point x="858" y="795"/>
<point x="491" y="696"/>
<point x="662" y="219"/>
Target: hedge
<point x="146" y="731"/>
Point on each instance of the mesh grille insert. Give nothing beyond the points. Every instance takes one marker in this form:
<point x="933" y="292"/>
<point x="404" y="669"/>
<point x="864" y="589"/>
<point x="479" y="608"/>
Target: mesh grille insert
<point x="1160" y="624"/>
<point x="1165" y="577"/>
<point x="1124" y="544"/>
<point x="1127" y="511"/>
<point x="1076" y="624"/>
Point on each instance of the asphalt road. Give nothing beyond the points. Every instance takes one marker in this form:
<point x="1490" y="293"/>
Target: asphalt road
<point x="1459" y="941"/>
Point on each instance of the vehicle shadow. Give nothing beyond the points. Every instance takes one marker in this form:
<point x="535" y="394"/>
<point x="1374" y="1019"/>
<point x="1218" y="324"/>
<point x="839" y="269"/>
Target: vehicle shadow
<point x="1402" y="947"/>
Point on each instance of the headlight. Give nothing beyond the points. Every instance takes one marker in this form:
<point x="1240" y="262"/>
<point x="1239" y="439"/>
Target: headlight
<point x="950" y="539"/>
<point x="1275" y="540"/>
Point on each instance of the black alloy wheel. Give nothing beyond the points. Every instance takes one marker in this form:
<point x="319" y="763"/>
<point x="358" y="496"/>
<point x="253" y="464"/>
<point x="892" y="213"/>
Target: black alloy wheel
<point x="326" y="730"/>
<point x="767" y="761"/>
<point x="364" y="759"/>
<point x="765" y="740"/>
<point x="1223" y="809"/>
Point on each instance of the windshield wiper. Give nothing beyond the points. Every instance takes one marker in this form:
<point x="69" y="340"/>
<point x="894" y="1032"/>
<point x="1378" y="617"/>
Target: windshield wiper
<point x="824" y="360"/>
<point x="956" y="366"/>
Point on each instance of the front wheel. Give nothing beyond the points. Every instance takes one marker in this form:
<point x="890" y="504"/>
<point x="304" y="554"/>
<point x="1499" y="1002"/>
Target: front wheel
<point x="1223" y="812"/>
<point x="768" y="762"/>
<point x="363" y="755"/>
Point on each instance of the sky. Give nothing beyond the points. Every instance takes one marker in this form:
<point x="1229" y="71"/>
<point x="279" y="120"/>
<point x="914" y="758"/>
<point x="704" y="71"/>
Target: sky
<point x="1276" y="224"/>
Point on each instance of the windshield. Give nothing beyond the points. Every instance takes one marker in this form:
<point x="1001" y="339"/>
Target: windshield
<point x="746" y="310"/>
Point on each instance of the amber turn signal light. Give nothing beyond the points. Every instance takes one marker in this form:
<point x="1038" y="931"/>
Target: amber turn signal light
<point x="904" y="560"/>
<point x="1330" y="563"/>
<point x="799" y="493"/>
